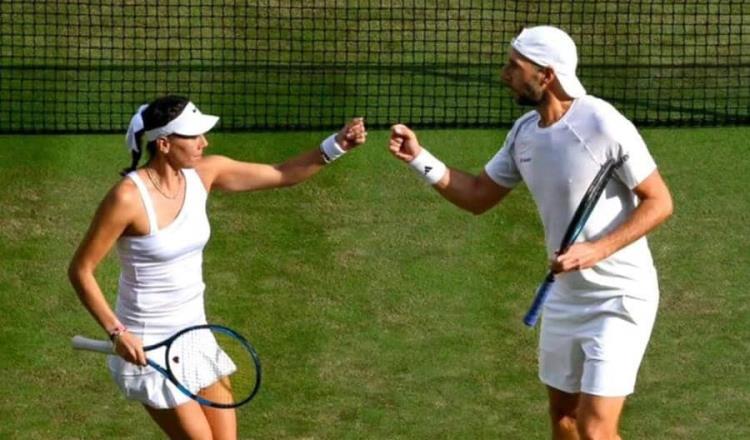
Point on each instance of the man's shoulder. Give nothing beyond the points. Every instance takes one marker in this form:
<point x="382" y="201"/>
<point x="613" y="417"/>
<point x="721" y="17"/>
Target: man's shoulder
<point x="525" y="120"/>
<point x="529" y="115"/>
<point x="599" y="108"/>
<point x="599" y="115"/>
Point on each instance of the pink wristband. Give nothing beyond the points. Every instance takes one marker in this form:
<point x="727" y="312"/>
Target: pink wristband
<point x="117" y="331"/>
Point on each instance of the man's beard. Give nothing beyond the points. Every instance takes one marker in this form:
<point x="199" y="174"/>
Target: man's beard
<point x="530" y="97"/>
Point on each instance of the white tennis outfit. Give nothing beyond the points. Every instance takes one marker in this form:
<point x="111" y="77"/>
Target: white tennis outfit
<point x="596" y="323"/>
<point x="161" y="289"/>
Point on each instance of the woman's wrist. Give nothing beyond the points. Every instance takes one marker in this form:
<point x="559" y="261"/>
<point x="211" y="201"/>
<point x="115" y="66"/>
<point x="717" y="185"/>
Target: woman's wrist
<point x="330" y="149"/>
<point x="116" y="330"/>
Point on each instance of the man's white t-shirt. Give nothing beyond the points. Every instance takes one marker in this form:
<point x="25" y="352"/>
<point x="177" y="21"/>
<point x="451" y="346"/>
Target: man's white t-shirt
<point x="557" y="164"/>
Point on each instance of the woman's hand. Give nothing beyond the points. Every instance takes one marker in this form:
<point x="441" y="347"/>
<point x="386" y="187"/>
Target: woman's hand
<point x="130" y="347"/>
<point x="352" y="135"/>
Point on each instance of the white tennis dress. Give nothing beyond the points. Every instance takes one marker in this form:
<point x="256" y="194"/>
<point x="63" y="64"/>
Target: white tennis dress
<point x="596" y="322"/>
<point x="161" y="288"/>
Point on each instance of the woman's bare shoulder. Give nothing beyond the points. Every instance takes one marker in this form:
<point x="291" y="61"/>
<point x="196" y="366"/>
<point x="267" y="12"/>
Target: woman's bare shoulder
<point x="123" y="195"/>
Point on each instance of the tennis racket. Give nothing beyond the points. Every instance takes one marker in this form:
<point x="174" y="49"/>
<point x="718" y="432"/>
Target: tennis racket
<point x="581" y="215"/>
<point x="199" y="356"/>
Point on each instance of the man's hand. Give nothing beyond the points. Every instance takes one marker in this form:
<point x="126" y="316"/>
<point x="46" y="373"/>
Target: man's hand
<point x="579" y="256"/>
<point x="403" y="143"/>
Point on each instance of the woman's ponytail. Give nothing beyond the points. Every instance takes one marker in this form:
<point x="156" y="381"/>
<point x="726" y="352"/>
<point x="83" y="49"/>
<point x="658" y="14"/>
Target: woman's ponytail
<point x="133" y="139"/>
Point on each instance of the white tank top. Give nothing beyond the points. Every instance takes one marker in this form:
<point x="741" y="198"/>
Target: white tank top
<point x="161" y="278"/>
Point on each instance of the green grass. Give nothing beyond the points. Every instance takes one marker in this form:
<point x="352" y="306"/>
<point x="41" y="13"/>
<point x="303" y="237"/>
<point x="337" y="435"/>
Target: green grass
<point x="378" y="309"/>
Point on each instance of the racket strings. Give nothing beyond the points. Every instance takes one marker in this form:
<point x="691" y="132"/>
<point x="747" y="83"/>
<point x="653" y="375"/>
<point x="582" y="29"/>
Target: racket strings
<point x="213" y="365"/>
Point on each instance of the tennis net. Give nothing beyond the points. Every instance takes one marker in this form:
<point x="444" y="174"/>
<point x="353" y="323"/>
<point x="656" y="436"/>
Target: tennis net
<point x="85" y="66"/>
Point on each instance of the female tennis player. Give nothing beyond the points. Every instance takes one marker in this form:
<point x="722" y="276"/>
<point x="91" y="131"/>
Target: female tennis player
<point x="156" y="216"/>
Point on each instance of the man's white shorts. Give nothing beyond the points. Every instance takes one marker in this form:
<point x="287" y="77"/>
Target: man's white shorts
<point x="595" y="347"/>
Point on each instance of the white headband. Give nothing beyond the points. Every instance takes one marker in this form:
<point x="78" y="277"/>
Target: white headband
<point x="191" y="122"/>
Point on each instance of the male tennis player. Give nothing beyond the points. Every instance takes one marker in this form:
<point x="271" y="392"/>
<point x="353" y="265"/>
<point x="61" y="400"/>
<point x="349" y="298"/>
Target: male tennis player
<point x="598" y="318"/>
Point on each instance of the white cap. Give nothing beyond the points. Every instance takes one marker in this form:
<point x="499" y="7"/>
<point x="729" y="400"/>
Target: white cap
<point x="191" y="122"/>
<point x="551" y="47"/>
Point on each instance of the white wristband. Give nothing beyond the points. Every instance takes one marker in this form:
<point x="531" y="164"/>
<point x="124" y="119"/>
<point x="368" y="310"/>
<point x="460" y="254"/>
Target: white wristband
<point x="428" y="166"/>
<point x="330" y="149"/>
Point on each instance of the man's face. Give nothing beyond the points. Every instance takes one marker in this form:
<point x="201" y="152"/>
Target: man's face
<point x="524" y="79"/>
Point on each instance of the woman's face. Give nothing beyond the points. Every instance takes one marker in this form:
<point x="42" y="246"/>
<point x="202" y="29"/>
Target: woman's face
<point x="185" y="151"/>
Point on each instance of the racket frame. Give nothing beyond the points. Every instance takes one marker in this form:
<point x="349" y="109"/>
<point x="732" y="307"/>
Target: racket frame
<point x="102" y="346"/>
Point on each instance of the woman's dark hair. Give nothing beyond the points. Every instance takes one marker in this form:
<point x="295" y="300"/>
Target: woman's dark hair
<point x="158" y="114"/>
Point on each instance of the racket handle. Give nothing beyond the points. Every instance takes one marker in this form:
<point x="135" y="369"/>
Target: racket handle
<point x="532" y="316"/>
<point x="98" y="345"/>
